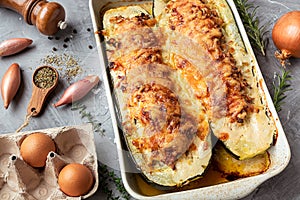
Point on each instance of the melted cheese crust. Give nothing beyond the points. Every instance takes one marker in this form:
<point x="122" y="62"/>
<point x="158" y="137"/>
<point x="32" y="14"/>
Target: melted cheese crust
<point x="165" y="124"/>
<point x="194" y="19"/>
<point x="174" y="74"/>
<point x="235" y="101"/>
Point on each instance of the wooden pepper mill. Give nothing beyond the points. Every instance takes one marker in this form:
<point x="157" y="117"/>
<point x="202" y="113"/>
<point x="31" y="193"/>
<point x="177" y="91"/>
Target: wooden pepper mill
<point x="48" y="17"/>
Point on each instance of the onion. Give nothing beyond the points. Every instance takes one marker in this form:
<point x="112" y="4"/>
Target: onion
<point x="14" y="45"/>
<point x="78" y="90"/>
<point x="286" y="36"/>
<point x="10" y="84"/>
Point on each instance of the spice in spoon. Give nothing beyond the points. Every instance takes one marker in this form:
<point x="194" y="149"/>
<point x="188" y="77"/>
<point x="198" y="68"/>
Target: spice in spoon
<point x="44" y="78"/>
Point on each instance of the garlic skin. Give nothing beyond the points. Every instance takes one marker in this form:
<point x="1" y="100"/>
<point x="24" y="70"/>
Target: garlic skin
<point x="78" y="90"/>
<point x="10" y="84"/>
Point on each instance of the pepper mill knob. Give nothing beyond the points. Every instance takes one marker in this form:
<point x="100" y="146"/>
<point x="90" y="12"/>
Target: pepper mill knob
<point x="48" y="17"/>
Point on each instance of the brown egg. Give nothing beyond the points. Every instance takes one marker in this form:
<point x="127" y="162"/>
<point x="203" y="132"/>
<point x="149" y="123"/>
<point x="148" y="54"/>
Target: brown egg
<point x="35" y="148"/>
<point x="75" y="179"/>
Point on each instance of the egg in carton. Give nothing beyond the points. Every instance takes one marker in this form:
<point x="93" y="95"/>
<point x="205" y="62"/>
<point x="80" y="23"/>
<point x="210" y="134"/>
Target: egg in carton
<point x="19" y="180"/>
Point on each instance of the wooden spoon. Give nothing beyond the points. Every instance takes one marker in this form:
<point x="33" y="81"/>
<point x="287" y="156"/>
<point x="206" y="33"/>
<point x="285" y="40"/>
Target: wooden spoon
<point x="43" y="85"/>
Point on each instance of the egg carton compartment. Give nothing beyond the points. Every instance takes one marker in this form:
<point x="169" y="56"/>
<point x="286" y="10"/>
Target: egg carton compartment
<point x="19" y="180"/>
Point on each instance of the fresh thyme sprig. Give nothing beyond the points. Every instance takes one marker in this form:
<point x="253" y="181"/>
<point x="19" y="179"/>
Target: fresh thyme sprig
<point x="281" y="86"/>
<point x="90" y="118"/>
<point x="255" y="32"/>
<point x="107" y="176"/>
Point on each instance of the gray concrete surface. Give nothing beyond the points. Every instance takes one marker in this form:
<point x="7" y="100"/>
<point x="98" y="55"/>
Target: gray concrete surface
<point x="81" y="46"/>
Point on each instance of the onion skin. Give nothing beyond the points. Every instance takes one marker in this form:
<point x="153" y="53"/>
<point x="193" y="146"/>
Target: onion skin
<point x="13" y="46"/>
<point x="286" y="35"/>
<point x="78" y="90"/>
<point x="10" y="84"/>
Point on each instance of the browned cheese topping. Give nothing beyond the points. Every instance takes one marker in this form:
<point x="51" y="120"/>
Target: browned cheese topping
<point x="124" y="25"/>
<point x="196" y="20"/>
<point x="194" y="77"/>
<point x="168" y="131"/>
<point x="158" y="109"/>
<point x="135" y="48"/>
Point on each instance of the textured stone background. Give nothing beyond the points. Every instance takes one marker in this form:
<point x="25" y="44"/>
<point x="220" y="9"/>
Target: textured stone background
<point x="82" y="46"/>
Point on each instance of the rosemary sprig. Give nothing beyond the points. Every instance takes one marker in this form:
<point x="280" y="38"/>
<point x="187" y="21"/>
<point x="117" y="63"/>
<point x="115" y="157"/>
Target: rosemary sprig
<point x="255" y="32"/>
<point x="281" y="85"/>
<point x="257" y="38"/>
<point x="107" y="176"/>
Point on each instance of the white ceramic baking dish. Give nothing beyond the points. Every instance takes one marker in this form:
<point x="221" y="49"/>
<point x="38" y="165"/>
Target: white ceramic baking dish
<point x="279" y="154"/>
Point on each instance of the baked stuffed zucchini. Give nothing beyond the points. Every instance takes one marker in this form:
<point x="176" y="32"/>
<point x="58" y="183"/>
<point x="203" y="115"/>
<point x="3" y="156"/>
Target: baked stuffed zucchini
<point x="164" y="123"/>
<point x="238" y="112"/>
<point x="176" y="77"/>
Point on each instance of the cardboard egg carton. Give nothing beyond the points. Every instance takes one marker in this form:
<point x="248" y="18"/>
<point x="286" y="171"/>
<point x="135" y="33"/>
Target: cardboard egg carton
<point x="18" y="180"/>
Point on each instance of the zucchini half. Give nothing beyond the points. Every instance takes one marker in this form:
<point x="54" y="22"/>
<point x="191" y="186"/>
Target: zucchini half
<point x="164" y="124"/>
<point x="232" y="168"/>
<point x="236" y="104"/>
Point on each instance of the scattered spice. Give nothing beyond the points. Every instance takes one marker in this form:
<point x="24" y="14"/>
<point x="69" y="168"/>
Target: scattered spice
<point x="67" y="64"/>
<point x="90" y="47"/>
<point x="50" y="38"/>
<point x="65" y="45"/>
<point x="54" y="49"/>
<point x="66" y="39"/>
<point x="88" y="29"/>
<point x="57" y="38"/>
<point x="74" y="31"/>
<point x="44" y="78"/>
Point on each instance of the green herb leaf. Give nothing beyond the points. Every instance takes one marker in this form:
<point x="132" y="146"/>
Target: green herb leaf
<point x="281" y="86"/>
<point x="87" y="115"/>
<point x="106" y="176"/>
<point x="255" y="32"/>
